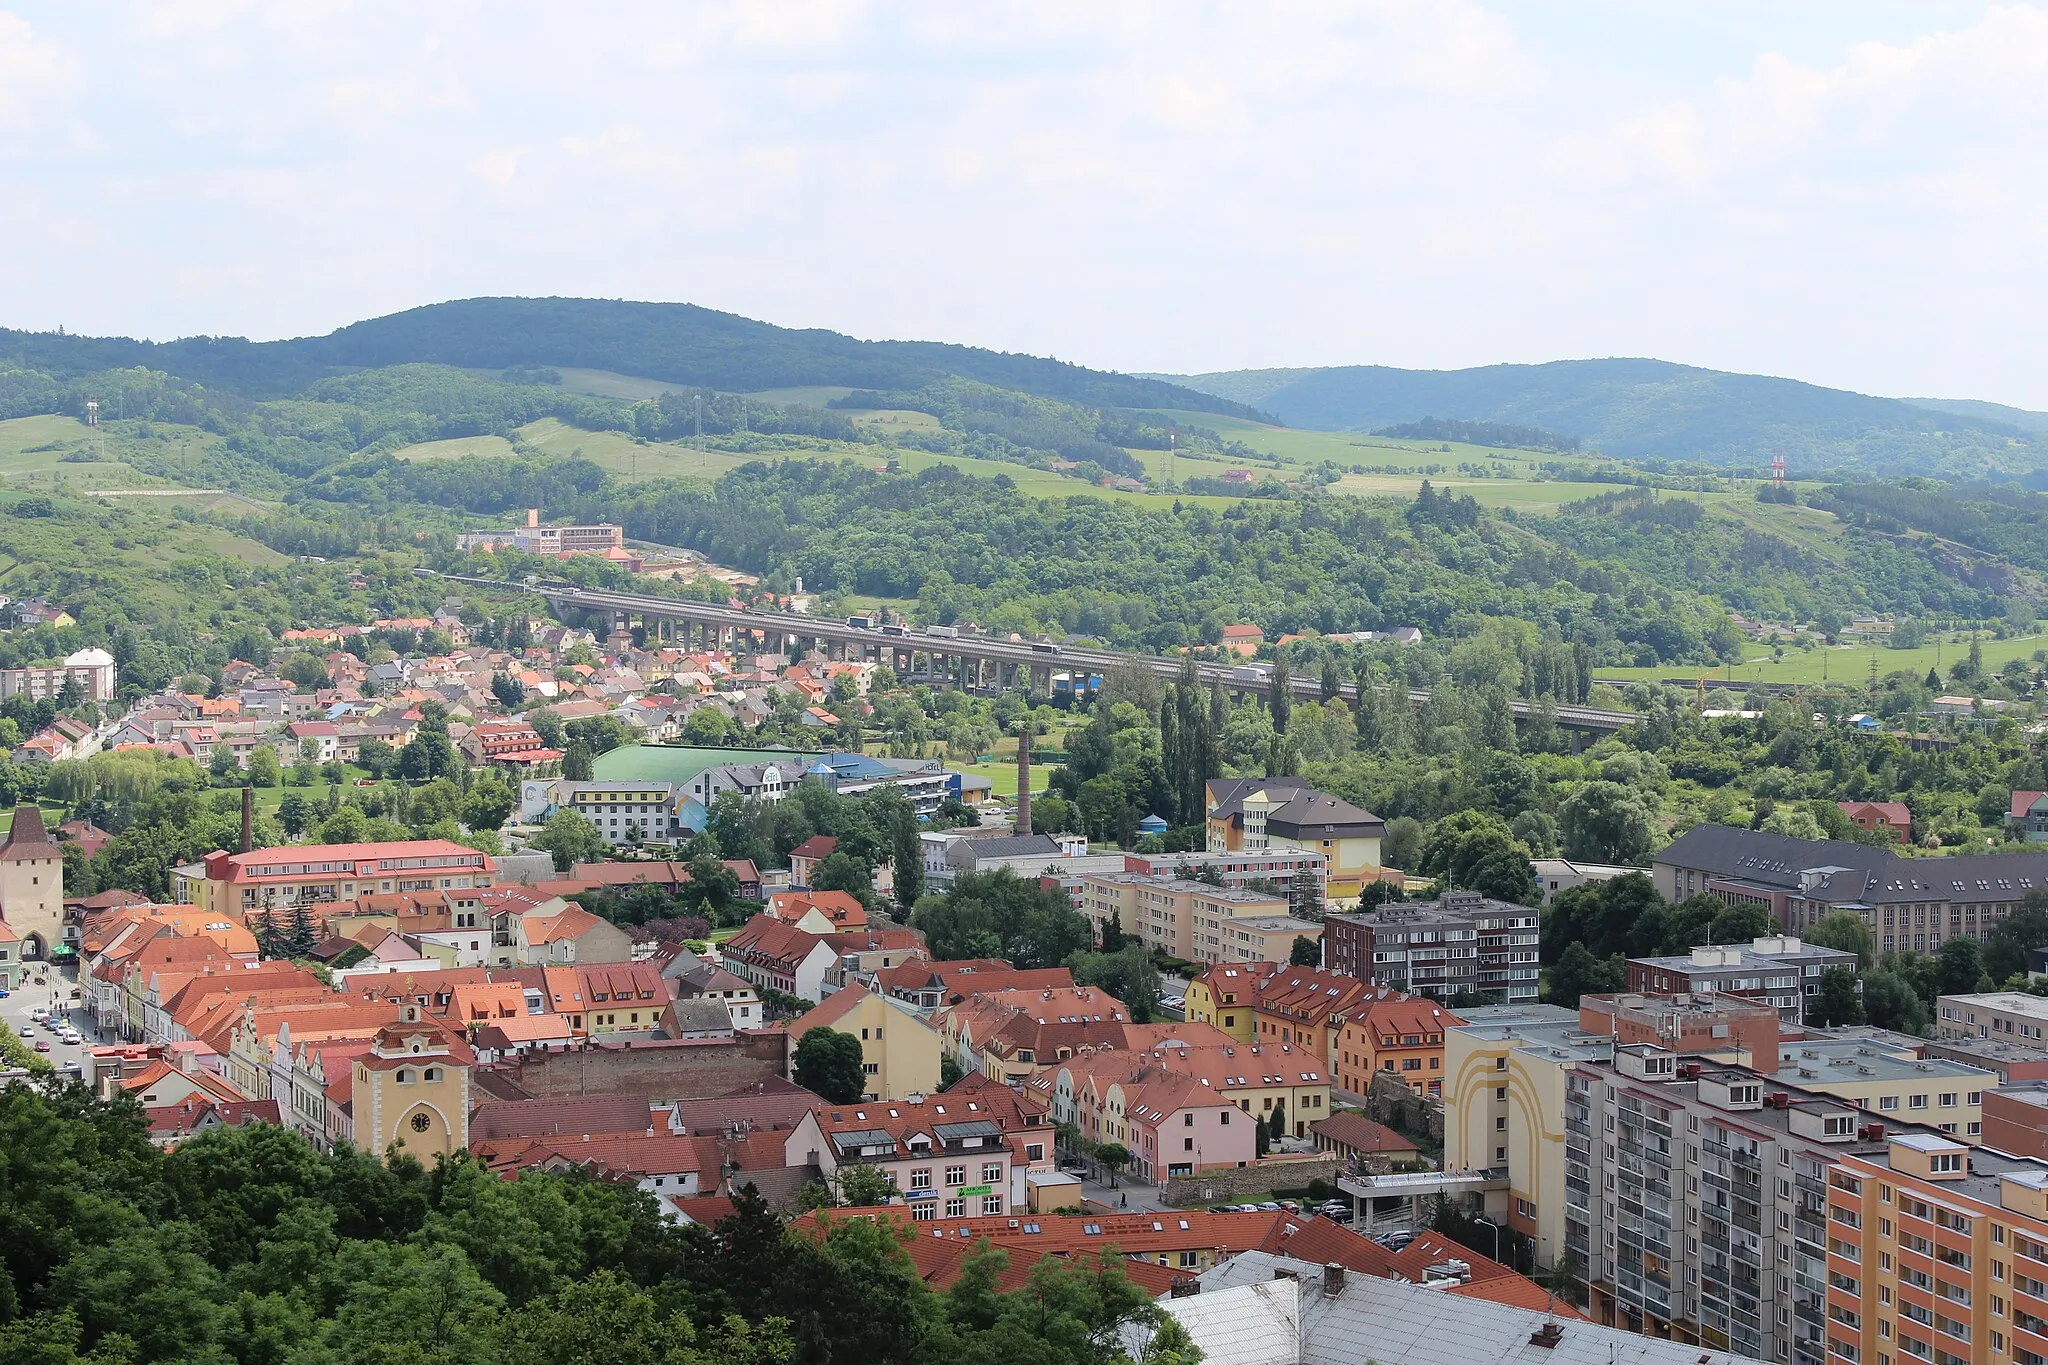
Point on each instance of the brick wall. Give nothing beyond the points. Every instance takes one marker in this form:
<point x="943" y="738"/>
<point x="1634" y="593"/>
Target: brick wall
<point x="689" y="1069"/>
<point x="1243" y="1182"/>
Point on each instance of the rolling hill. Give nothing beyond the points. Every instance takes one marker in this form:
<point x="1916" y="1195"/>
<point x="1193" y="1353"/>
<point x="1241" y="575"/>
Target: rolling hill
<point x="1653" y="408"/>
<point x="672" y="343"/>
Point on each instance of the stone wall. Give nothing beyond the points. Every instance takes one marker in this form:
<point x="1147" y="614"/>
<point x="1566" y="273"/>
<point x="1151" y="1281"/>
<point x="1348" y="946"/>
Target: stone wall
<point x="1242" y="1183"/>
<point x="1390" y="1101"/>
<point x="671" y="1069"/>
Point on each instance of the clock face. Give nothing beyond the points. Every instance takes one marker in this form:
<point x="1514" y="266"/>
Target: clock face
<point x="420" y="1123"/>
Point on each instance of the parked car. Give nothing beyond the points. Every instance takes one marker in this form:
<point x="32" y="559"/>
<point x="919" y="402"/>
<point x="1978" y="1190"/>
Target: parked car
<point x="1336" y="1215"/>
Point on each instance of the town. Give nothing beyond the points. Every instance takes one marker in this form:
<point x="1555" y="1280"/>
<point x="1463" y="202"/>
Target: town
<point x="495" y="888"/>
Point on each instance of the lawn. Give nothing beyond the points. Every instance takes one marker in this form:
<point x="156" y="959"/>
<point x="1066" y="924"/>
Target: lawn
<point x="32" y="451"/>
<point x="1845" y="664"/>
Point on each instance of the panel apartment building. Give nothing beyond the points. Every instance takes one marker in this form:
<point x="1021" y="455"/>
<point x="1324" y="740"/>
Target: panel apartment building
<point x="1194" y="921"/>
<point x="1696" y="1200"/>
<point x="1461" y="942"/>
<point x="1914" y="903"/>
<point x="1781" y="971"/>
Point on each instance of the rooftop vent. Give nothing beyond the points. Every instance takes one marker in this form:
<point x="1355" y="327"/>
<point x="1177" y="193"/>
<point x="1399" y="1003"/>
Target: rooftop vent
<point x="1547" y="1336"/>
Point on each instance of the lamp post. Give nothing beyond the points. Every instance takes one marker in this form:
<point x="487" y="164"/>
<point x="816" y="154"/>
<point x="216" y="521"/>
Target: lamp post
<point x="1496" y="1237"/>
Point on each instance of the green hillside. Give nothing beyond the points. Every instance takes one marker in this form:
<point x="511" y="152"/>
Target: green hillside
<point x="1644" y="409"/>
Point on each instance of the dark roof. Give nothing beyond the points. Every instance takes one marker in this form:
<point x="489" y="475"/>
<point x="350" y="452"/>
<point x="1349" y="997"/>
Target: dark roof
<point x="29" y="837"/>
<point x="1302" y="811"/>
<point x="1837" y="872"/>
<point x="971" y="852"/>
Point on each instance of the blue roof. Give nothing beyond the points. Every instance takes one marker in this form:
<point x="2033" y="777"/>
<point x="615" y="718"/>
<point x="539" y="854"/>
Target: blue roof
<point x="1152" y="824"/>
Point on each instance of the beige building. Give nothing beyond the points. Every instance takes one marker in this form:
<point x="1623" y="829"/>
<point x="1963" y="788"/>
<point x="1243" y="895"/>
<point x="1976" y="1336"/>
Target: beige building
<point x="1256" y="815"/>
<point x="1192" y="920"/>
<point x="899" y="1049"/>
<point x="1891" y="1081"/>
<point x="1504" y="1091"/>
<point x="412" y="1090"/>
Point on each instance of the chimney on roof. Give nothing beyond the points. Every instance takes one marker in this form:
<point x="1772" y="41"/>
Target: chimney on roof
<point x="248" y="818"/>
<point x="1547" y="1336"/>
<point x="1333" y="1280"/>
<point x="1024" y="778"/>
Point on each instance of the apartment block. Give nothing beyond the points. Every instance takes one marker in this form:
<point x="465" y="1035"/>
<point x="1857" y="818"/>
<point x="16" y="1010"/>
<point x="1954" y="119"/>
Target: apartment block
<point x="1696" y="1203"/>
<point x="1192" y="920"/>
<point x="1893" y="1082"/>
<point x="2009" y="1015"/>
<point x="1462" y="942"/>
<point x="1781" y="971"/>
<point x="1279" y="865"/>
<point x="1936" y="1252"/>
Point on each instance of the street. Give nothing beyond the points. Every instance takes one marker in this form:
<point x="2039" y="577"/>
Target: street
<point x="54" y="994"/>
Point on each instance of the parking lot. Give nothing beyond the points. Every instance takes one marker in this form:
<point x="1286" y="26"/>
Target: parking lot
<point x="53" y="994"/>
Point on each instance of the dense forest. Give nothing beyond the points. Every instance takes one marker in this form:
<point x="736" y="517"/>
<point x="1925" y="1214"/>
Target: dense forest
<point x="1504" y="435"/>
<point x="247" y="1247"/>
<point x="672" y="343"/>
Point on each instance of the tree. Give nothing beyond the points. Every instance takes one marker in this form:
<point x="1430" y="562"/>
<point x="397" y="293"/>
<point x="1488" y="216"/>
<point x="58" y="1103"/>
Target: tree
<point x="264" y="768"/>
<point x="1276" y="1122"/>
<point x="1282" y="693"/>
<point x="1113" y="932"/>
<point x="1605" y="822"/>
<point x="571" y="838"/>
<point x="1114" y="1156"/>
<point x="1579" y="973"/>
<point x="1846" y="930"/>
<point x="1889" y="1001"/>
<point x="1837" y="1001"/>
<point x="1743" y="924"/>
<point x="829" y="1064"/>
<point x="510" y="692"/>
<point x="1306" y="952"/>
<point x="2010" y="944"/>
<point x="862" y="1186"/>
<point x="294" y="813"/>
<point x="376" y="757"/>
<point x="1959" y="966"/>
<point x="906" y="858"/>
<point x="489" y="804"/>
<point x="841" y="871"/>
<point x="547" y="723"/>
<point x="576" y="762"/>
<point x="1333" y="680"/>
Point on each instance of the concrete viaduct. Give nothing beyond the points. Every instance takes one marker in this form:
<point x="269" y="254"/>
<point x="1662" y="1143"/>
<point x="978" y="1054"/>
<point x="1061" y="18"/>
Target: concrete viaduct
<point x="975" y="662"/>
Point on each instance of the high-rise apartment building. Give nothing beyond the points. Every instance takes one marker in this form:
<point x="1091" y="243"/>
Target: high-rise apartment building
<point x="1461" y="942"/>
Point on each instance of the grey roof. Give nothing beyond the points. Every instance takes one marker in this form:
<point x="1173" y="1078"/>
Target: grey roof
<point x="702" y="1016"/>
<point x="1832" y="871"/>
<point x="1303" y="807"/>
<point x="1271" y="1310"/>
<point x="949" y="1132"/>
<point x="973" y="852"/>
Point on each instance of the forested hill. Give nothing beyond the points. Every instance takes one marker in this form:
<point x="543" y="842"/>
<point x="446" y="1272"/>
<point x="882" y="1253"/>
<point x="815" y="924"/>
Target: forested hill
<point x="1652" y="408"/>
<point x="674" y="343"/>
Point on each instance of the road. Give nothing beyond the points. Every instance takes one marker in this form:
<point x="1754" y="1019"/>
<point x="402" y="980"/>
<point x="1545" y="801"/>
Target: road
<point x="1245" y="677"/>
<point x="54" y="993"/>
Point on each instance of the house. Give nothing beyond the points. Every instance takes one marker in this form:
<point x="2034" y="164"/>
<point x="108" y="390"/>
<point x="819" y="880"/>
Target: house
<point x="1886" y="815"/>
<point x="819" y="912"/>
<point x="805" y="857"/>
<point x="692" y="978"/>
<point x="1360" y="1141"/>
<point x="1012" y="1035"/>
<point x="899" y="1047"/>
<point x="233" y="884"/>
<point x="317" y="740"/>
<point x="929" y="985"/>
<point x="780" y="957"/>
<point x="2028" y="816"/>
<point x="945" y="1160"/>
<point x="1402" y="1035"/>
<point x="1243" y="640"/>
<point x="570" y="934"/>
<point x="1285" y="812"/>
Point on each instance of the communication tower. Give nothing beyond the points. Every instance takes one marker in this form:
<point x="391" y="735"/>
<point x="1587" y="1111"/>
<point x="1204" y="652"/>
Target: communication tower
<point x="1778" y="468"/>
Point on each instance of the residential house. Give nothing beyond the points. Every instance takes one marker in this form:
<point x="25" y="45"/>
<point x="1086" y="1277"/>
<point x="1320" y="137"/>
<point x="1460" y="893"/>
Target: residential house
<point x="899" y="1047"/>
<point x="781" y="957"/>
<point x="1257" y="814"/>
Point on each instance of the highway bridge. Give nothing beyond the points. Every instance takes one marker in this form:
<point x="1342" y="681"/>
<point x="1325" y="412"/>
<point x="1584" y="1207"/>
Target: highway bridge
<point x="978" y="661"/>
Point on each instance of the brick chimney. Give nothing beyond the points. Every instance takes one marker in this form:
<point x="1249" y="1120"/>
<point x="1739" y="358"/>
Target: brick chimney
<point x="1024" y="779"/>
<point x="248" y="818"/>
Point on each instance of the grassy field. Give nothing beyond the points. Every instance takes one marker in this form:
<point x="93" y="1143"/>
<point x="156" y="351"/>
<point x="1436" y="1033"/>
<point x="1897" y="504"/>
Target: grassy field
<point x="1845" y="664"/>
<point x="32" y="451"/>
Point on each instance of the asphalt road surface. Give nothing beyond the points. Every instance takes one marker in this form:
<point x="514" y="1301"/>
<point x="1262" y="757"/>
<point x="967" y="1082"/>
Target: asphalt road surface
<point x="55" y="994"/>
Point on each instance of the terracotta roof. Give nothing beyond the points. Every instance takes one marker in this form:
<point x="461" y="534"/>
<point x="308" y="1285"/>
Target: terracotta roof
<point x="1360" y="1134"/>
<point x="553" y="1117"/>
<point x="818" y="846"/>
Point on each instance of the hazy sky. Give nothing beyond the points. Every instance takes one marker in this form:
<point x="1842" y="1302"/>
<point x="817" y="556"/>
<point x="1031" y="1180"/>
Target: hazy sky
<point x="1851" y="193"/>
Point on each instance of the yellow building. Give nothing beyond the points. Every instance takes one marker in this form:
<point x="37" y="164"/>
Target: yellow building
<point x="411" y="1090"/>
<point x="1225" y="995"/>
<point x="899" y="1049"/>
<point x="1254" y="814"/>
<point x="1192" y="920"/>
<point x="1504" y="1091"/>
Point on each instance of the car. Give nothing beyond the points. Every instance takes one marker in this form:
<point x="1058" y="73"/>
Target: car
<point x="74" y="1039"/>
<point x="77" y="993"/>
<point x="1270" y="1206"/>
<point x="4" y="993"/>
<point x="72" y="1069"/>
<point x="1337" y="1215"/>
<point x="1247" y="1208"/>
<point x="42" y="1044"/>
<point x="1290" y="1206"/>
<point x="1396" y="1241"/>
<point x="1223" y="1208"/>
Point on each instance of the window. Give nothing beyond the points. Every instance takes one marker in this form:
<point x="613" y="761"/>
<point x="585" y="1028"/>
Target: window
<point x="991" y="1204"/>
<point x="924" y="1211"/>
<point x="956" y="1208"/>
<point x="1917" y="1102"/>
<point x="1500" y="1125"/>
<point x="991" y="1173"/>
<point x="1887" y="1103"/>
<point x="1948" y="1100"/>
<point x="1187" y="1260"/>
<point x="921" y="1178"/>
<point x="956" y="1176"/>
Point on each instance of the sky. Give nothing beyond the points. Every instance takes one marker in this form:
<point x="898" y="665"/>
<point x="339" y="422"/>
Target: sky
<point x="1847" y="193"/>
